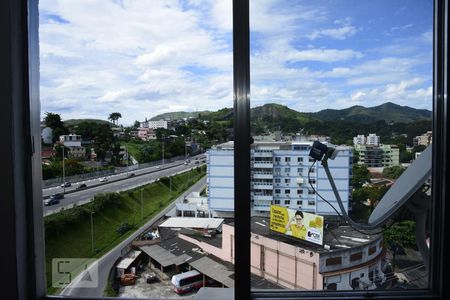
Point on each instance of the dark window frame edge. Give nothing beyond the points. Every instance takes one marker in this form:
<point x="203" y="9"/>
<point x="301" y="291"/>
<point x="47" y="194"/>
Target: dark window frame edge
<point x="29" y="238"/>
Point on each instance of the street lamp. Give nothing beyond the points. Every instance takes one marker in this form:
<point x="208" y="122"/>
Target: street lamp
<point x="64" y="170"/>
<point x="162" y="142"/>
<point x="92" y="230"/>
<point x="142" y="212"/>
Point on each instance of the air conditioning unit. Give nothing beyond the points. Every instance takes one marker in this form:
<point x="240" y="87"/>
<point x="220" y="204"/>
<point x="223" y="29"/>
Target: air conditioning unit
<point x="300" y="180"/>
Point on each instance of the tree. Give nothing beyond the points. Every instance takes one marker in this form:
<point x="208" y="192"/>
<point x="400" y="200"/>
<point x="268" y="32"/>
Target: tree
<point x="361" y="175"/>
<point x="393" y="172"/>
<point x="53" y="120"/>
<point x="115" y="116"/>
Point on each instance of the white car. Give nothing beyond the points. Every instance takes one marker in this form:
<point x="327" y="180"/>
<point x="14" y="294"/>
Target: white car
<point x="102" y="179"/>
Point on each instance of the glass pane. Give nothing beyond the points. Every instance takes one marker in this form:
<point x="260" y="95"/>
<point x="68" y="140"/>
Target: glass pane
<point x="355" y="76"/>
<point x="136" y="100"/>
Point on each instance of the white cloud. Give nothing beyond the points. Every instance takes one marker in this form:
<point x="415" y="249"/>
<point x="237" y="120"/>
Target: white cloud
<point x="324" y="55"/>
<point x="340" y="33"/>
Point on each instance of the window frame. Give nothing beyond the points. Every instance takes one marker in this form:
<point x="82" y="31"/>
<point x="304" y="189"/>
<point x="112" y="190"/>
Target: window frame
<point x="23" y="260"/>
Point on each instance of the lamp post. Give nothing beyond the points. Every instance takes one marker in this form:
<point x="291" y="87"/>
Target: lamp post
<point x="142" y="211"/>
<point x="162" y="142"/>
<point x="92" y="230"/>
<point x="64" y="170"/>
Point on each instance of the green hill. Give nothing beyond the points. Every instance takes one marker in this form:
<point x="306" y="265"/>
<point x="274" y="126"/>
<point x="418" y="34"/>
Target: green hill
<point x="74" y="122"/>
<point x="388" y="112"/>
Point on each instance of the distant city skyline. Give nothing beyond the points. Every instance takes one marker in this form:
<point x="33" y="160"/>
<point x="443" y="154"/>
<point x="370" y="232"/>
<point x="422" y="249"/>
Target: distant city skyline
<point x="144" y="58"/>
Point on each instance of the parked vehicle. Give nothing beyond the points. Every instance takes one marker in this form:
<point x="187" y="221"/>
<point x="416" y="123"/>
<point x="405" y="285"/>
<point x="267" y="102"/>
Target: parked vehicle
<point x="81" y="186"/>
<point x="186" y="282"/>
<point x="103" y="179"/>
<point x="151" y="277"/>
<point x="66" y="184"/>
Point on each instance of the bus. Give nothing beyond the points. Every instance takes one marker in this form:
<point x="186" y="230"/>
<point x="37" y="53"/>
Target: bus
<point x="186" y="282"/>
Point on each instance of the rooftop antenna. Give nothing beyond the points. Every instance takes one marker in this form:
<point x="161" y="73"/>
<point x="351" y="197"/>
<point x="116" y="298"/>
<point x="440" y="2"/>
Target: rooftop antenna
<point x="410" y="189"/>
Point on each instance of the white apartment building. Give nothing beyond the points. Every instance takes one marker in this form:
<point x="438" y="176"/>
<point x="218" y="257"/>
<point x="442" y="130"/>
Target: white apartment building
<point x="360" y="139"/>
<point x="154" y="124"/>
<point x="371" y="139"/>
<point x="279" y="175"/>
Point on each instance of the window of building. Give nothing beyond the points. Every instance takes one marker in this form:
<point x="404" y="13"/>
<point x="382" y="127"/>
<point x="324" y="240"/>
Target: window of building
<point x="356" y="256"/>
<point x="287" y="202"/>
<point x="332" y="261"/>
<point x="299" y="159"/>
<point x="277" y="191"/>
<point x="299" y="170"/>
<point x="311" y="202"/>
<point x="299" y="192"/>
<point x="287" y="180"/>
<point x="287" y="191"/>
<point x="372" y="250"/>
<point x="287" y="159"/>
<point x="287" y="170"/>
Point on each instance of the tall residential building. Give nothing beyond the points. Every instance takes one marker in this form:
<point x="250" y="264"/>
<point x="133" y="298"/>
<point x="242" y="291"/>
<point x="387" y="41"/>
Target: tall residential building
<point x="378" y="156"/>
<point x="360" y="139"/>
<point x="279" y="175"/>
<point x="373" y="139"/>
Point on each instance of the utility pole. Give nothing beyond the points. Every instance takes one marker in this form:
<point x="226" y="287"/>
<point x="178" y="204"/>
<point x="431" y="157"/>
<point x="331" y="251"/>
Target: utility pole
<point x="92" y="230"/>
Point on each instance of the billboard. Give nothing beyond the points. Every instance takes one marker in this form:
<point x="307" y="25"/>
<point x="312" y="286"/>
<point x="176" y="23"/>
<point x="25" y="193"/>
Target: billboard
<point x="298" y="224"/>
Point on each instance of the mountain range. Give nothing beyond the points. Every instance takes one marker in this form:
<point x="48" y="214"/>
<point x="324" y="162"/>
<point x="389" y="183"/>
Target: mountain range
<point x="388" y="112"/>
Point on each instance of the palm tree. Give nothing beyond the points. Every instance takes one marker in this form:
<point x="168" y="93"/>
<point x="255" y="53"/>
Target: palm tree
<point x="114" y="117"/>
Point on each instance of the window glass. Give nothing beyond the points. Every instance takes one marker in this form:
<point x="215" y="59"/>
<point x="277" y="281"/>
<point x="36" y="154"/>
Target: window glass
<point x="354" y="76"/>
<point x="137" y="139"/>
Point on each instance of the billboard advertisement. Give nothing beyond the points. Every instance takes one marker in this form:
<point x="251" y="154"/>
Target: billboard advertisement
<point x="302" y="225"/>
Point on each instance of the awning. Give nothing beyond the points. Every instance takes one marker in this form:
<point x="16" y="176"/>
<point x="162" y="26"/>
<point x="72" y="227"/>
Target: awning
<point x="214" y="270"/>
<point x="164" y="257"/>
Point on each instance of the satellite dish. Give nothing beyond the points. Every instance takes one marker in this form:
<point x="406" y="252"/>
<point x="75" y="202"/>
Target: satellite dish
<point x="403" y="188"/>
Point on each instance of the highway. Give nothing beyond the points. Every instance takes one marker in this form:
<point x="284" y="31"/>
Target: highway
<point x="115" y="183"/>
<point x="106" y="262"/>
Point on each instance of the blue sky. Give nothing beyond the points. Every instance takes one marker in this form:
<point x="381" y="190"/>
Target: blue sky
<point x="143" y="58"/>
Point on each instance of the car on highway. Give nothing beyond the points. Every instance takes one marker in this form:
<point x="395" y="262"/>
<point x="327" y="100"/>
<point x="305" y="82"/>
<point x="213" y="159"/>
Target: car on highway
<point x="57" y="196"/>
<point x="131" y="175"/>
<point x="103" y="179"/>
<point x="157" y="167"/>
<point x="66" y="184"/>
<point x="50" y="201"/>
<point x="81" y="186"/>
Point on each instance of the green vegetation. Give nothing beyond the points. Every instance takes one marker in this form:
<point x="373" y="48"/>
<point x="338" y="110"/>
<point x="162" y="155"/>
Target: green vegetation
<point x="68" y="233"/>
<point x="393" y="172"/>
<point x="75" y="122"/>
<point x="364" y="200"/>
<point x="360" y="175"/>
<point x="402" y="233"/>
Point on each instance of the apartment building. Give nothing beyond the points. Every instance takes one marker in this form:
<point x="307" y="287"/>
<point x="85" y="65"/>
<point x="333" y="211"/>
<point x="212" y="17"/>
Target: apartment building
<point x="279" y="175"/>
<point x="378" y="156"/>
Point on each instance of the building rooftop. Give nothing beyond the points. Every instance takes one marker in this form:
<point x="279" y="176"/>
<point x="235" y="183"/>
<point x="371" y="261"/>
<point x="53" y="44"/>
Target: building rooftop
<point x="335" y="236"/>
<point x="185" y="222"/>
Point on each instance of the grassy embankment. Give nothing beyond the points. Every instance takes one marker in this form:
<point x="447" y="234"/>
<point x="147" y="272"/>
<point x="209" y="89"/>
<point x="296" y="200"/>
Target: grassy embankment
<point x="68" y="233"/>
